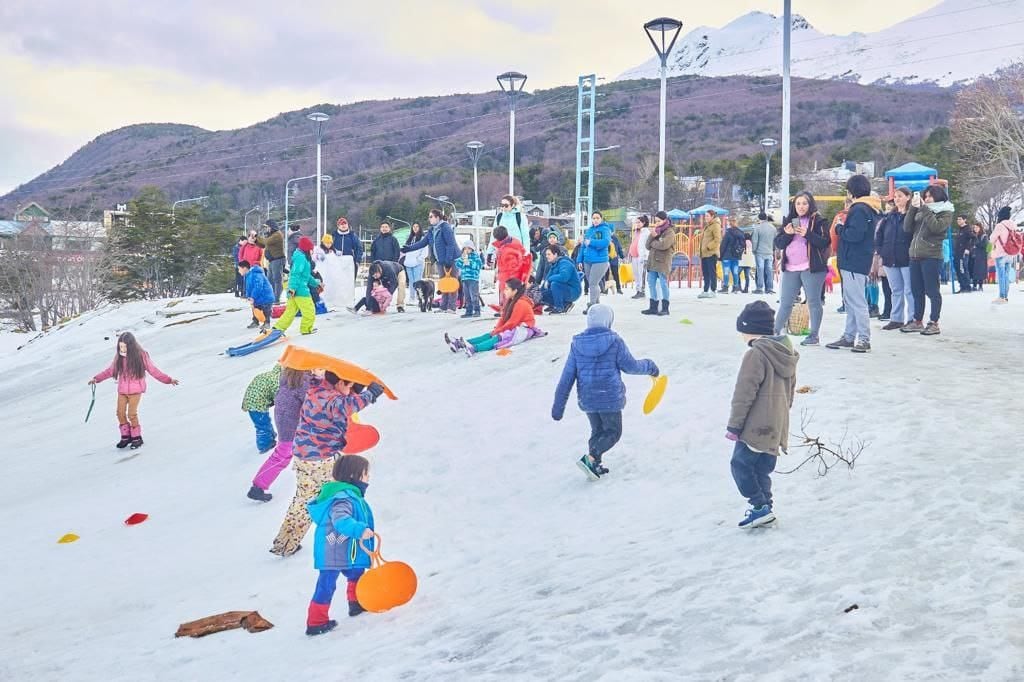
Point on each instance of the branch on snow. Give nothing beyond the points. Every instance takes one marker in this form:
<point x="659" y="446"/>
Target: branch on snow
<point x="826" y="455"/>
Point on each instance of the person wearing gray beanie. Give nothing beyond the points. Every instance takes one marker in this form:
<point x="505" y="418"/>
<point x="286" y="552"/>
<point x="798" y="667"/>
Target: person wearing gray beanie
<point x="597" y="358"/>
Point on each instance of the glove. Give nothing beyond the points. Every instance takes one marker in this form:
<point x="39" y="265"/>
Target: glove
<point x="655" y="371"/>
<point x="729" y="435"/>
<point x="375" y="390"/>
<point x="557" y="413"/>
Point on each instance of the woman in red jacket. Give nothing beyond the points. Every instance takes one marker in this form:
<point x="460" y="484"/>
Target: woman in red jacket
<point x="516" y="325"/>
<point x="251" y="251"/>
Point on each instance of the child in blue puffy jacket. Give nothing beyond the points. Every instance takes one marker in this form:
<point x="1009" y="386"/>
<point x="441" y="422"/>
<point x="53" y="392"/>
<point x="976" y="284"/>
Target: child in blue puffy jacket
<point x="342" y="519"/>
<point x="469" y="277"/>
<point x="596" y="360"/>
<point x="259" y="292"/>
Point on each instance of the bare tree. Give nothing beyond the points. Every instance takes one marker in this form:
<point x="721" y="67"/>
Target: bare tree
<point x="988" y="128"/>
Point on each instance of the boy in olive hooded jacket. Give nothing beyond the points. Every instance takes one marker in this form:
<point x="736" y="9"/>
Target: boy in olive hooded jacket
<point x="759" y="419"/>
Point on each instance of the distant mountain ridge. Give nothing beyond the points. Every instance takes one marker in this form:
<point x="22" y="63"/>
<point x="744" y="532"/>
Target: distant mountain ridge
<point x="376" y="150"/>
<point x="952" y="43"/>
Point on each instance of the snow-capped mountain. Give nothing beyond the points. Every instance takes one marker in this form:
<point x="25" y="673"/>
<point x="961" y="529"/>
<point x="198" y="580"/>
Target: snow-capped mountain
<point x="954" y="41"/>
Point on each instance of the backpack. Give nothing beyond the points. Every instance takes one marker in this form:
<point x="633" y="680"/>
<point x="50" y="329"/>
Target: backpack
<point x="1013" y="243"/>
<point x="737" y="247"/>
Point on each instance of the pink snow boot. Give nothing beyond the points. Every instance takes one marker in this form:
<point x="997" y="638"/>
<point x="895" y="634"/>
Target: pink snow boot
<point x="136" y="435"/>
<point x="126" y="437"/>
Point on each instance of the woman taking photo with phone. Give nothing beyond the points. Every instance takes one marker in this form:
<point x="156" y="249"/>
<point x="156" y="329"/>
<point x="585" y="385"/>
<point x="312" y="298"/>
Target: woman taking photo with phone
<point x="804" y="243"/>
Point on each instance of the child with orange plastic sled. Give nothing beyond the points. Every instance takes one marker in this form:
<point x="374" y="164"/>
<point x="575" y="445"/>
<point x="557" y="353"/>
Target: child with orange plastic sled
<point x="343" y="519"/>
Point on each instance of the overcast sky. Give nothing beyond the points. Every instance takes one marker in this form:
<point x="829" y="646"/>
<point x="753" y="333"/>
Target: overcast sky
<point x="72" y="71"/>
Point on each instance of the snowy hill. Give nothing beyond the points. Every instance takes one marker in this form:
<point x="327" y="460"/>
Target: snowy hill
<point x="953" y="42"/>
<point x="527" y="571"/>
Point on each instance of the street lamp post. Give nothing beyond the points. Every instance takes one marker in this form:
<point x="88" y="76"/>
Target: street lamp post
<point x="475" y="149"/>
<point x="185" y="201"/>
<point x="324" y="179"/>
<point x="768" y="145"/>
<point x="287" y="198"/>
<point x="245" y="220"/>
<point x="318" y="118"/>
<point x="787" y="31"/>
<point x="399" y="220"/>
<point x="512" y="83"/>
<point x="668" y="30"/>
<point x="443" y="200"/>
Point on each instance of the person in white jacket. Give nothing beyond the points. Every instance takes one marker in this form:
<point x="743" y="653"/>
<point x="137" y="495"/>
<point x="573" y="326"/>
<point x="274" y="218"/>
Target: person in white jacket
<point x="414" y="261"/>
<point x="638" y="254"/>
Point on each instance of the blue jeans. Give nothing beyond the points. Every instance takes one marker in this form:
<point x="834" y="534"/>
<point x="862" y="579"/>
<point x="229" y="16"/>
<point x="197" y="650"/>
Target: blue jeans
<point x="276" y="273"/>
<point x="765" y="273"/>
<point x="412" y="275"/>
<point x="557" y="295"/>
<point x="471" y="296"/>
<point x="265" y="436"/>
<point x="1004" y="273"/>
<point x="654" y="281"/>
<point x="751" y="471"/>
<point x="732" y="266"/>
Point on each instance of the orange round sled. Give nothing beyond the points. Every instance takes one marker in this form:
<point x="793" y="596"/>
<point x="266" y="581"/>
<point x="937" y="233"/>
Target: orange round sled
<point x="386" y="584"/>
<point x="305" y="359"/>
<point x="359" y="437"/>
<point x="448" y="284"/>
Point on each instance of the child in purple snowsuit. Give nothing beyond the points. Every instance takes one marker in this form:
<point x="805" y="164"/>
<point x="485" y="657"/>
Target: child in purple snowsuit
<point x="292" y="391"/>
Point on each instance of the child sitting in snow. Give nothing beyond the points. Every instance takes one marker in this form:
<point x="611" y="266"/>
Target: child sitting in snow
<point x="259" y="396"/>
<point x="319" y="438"/>
<point x="342" y="519"/>
<point x="596" y="359"/>
<point x="516" y="324"/>
<point x="759" y="420"/>
<point x="382" y="296"/>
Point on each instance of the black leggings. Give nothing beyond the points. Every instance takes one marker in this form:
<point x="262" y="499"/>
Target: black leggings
<point x="887" y="291"/>
<point x="605" y="431"/>
<point x="613" y="270"/>
<point x="924" y="281"/>
<point x="708" y="266"/>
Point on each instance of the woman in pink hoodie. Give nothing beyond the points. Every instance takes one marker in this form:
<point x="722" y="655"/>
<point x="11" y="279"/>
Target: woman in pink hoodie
<point x="1004" y="240"/>
<point x="129" y="367"/>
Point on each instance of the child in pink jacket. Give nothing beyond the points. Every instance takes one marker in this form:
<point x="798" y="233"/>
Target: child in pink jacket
<point x="129" y="367"/>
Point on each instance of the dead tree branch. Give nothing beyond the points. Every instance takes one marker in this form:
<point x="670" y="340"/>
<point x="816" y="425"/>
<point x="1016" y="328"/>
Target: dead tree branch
<point x="826" y="455"/>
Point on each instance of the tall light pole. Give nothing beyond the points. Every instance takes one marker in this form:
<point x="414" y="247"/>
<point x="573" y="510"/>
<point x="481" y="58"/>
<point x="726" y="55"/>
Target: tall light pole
<point x="768" y="145"/>
<point x="287" y="198"/>
<point x="667" y="30"/>
<point x="475" y="148"/>
<point x="512" y="83"/>
<point x="399" y="220"/>
<point x="318" y="117"/>
<point x="443" y="200"/>
<point x="324" y="179"/>
<point x="185" y="201"/>
<point x="245" y="220"/>
<point x="787" y="30"/>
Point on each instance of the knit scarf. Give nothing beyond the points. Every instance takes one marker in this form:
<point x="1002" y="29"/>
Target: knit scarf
<point x="941" y="207"/>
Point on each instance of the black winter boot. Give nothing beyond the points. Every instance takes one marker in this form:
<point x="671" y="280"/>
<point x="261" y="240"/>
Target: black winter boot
<point x="653" y="310"/>
<point x="355" y="608"/>
<point x="664" y="307"/>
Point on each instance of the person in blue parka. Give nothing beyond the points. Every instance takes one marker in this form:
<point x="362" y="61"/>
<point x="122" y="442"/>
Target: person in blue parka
<point x="593" y="255"/>
<point x="561" y="280"/>
<point x="597" y="357"/>
<point x="259" y="292"/>
<point x="343" y="519"/>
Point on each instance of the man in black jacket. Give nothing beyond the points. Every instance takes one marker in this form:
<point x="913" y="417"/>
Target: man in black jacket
<point x="385" y="246"/>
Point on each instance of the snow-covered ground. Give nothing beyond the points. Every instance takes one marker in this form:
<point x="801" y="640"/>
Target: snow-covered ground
<point x="527" y="571"/>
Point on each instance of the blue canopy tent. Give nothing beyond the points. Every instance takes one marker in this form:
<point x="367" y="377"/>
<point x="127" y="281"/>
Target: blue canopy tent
<point x="911" y="171"/>
<point x="701" y="210"/>
<point x="676" y="214"/>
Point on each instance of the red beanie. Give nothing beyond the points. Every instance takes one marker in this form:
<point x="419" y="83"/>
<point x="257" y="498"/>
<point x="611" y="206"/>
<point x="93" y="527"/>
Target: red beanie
<point x="306" y="245"/>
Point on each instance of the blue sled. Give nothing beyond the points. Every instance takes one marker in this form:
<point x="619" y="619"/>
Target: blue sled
<point x="272" y="338"/>
<point x="320" y="309"/>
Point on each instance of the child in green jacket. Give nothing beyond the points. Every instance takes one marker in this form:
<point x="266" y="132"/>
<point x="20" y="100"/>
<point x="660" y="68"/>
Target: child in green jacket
<point x="259" y="396"/>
